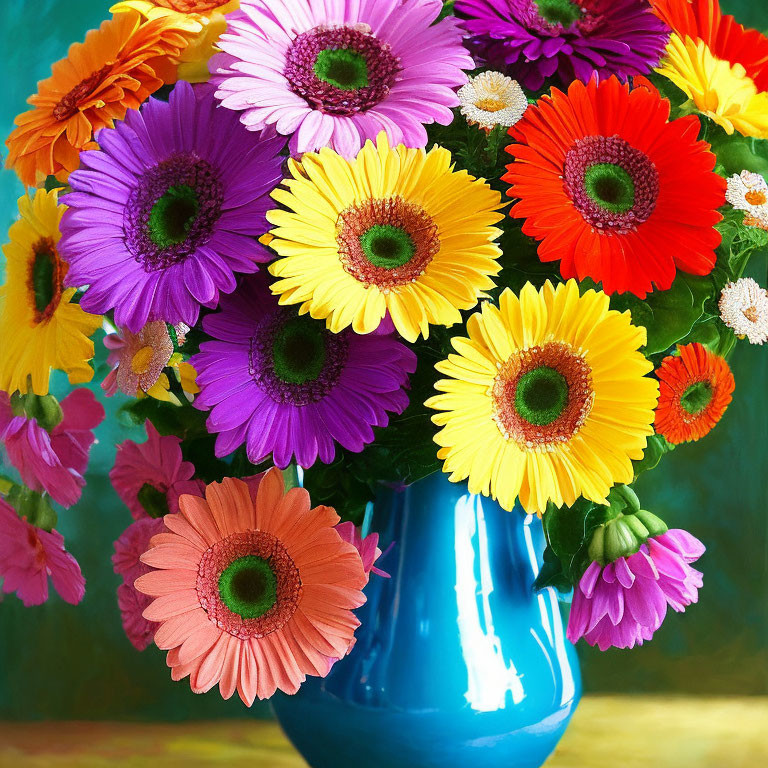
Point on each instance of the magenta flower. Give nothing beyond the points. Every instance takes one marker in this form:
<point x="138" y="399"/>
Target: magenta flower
<point x="336" y="73"/>
<point x="131" y="545"/>
<point x="54" y="461"/>
<point x="573" y="39"/>
<point x="368" y="547"/>
<point x="285" y="385"/>
<point x="152" y="475"/>
<point x="170" y="207"/>
<point x="29" y="555"/>
<point x="625" y="602"/>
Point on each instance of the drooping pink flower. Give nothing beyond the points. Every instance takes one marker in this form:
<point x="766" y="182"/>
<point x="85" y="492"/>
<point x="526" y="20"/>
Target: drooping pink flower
<point x="29" y="555"/>
<point x="53" y="461"/>
<point x="153" y="471"/>
<point x="131" y="545"/>
<point x="368" y="547"/>
<point x="623" y="603"/>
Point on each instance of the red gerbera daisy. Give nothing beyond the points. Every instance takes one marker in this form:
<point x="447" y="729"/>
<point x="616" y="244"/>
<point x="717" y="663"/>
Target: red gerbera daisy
<point x="607" y="184"/>
<point x="695" y="389"/>
<point x="725" y="37"/>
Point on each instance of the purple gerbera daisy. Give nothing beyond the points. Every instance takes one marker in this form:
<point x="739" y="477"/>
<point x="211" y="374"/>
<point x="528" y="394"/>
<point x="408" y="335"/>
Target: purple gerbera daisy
<point x="574" y="38"/>
<point x="283" y="384"/>
<point x="168" y="210"/>
<point x="336" y="73"/>
<point x="624" y="602"/>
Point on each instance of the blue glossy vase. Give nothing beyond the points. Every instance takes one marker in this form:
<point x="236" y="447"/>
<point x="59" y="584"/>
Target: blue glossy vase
<point x="458" y="662"/>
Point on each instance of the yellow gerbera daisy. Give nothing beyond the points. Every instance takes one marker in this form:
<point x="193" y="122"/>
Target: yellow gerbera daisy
<point x="393" y="230"/>
<point x="40" y="327"/>
<point x="720" y="90"/>
<point x="204" y="18"/>
<point x="547" y="399"/>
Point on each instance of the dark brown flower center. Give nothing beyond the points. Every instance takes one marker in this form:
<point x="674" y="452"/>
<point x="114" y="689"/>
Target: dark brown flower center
<point x="69" y="104"/>
<point x="46" y="272"/>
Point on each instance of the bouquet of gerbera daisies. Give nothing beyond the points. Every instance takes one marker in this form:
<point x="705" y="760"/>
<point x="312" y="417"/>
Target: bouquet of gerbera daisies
<point x="290" y="218"/>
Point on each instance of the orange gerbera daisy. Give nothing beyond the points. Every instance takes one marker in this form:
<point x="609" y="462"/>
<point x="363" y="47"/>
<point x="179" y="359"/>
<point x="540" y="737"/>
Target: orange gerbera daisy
<point x="695" y="389"/>
<point x="253" y="596"/>
<point x="606" y="183"/>
<point x="723" y="35"/>
<point x="117" y="67"/>
<point x="203" y="18"/>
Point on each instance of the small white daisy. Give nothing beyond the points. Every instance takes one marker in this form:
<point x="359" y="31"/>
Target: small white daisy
<point x="748" y="192"/>
<point x="744" y="309"/>
<point x="492" y="99"/>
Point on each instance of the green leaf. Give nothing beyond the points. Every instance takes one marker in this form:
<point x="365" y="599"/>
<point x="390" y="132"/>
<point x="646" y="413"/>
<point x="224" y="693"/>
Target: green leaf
<point x="657" y="446"/>
<point x="34" y="506"/>
<point x="552" y="574"/>
<point x="668" y="316"/>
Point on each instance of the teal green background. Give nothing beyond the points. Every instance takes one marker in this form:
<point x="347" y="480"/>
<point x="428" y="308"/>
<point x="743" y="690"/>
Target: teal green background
<point x="60" y="661"/>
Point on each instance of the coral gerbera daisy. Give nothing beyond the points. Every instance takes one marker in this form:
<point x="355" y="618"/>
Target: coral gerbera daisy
<point x="149" y="477"/>
<point x="29" y="555"/>
<point x="113" y="71"/>
<point x="53" y="456"/>
<point x="163" y="216"/>
<point x="285" y="385"/>
<point x="492" y="99"/>
<point x="719" y="64"/>
<point x="547" y="399"/>
<point x="537" y="39"/>
<point x="204" y="19"/>
<point x="395" y="230"/>
<point x="748" y="192"/>
<point x="41" y="327"/>
<point x="695" y="389"/>
<point x="252" y="596"/>
<point x="744" y="309"/>
<point x="606" y="184"/>
<point x="132" y="544"/>
<point x="335" y="74"/>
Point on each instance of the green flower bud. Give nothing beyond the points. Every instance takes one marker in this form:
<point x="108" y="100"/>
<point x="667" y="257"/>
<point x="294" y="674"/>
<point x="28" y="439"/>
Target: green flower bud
<point x="44" y="409"/>
<point x="33" y="506"/>
<point x="623" y="536"/>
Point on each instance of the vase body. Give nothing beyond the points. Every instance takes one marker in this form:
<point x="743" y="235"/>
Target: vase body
<point x="458" y="662"/>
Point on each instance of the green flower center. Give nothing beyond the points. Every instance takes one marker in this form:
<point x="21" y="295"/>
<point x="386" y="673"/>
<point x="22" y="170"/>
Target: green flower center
<point x="610" y="186"/>
<point x="541" y="395"/>
<point x="298" y="351"/>
<point x="173" y="215"/>
<point x="154" y="501"/>
<point x="342" y="68"/>
<point x="387" y="246"/>
<point x="563" y="12"/>
<point x="248" y="587"/>
<point x="44" y="281"/>
<point x="696" y="398"/>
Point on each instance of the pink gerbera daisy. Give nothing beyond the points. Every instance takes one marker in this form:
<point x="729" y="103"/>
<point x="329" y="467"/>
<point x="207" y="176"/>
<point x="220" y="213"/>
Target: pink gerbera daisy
<point x="368" y="547"/>
<point x="335" y="74"/>
<point x="29" y="555"/>
<point x="54" y="461"/>
<point x="138" y="359"/>
<point x="149" y="477"/>
<point x="129" y="548"/>
<point x="252" y="596"/>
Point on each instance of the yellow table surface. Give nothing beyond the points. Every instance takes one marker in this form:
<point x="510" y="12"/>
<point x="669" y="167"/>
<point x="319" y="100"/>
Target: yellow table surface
<point x="606" y="732"/>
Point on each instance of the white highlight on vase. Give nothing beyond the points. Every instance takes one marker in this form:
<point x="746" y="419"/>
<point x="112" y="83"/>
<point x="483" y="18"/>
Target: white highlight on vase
<point x="488" y="676"/>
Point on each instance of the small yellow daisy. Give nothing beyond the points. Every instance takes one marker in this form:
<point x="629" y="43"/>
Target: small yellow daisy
<point x="40" y="327"/>
<point x="395" y="230"/>
<point x="547" y="400"/>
